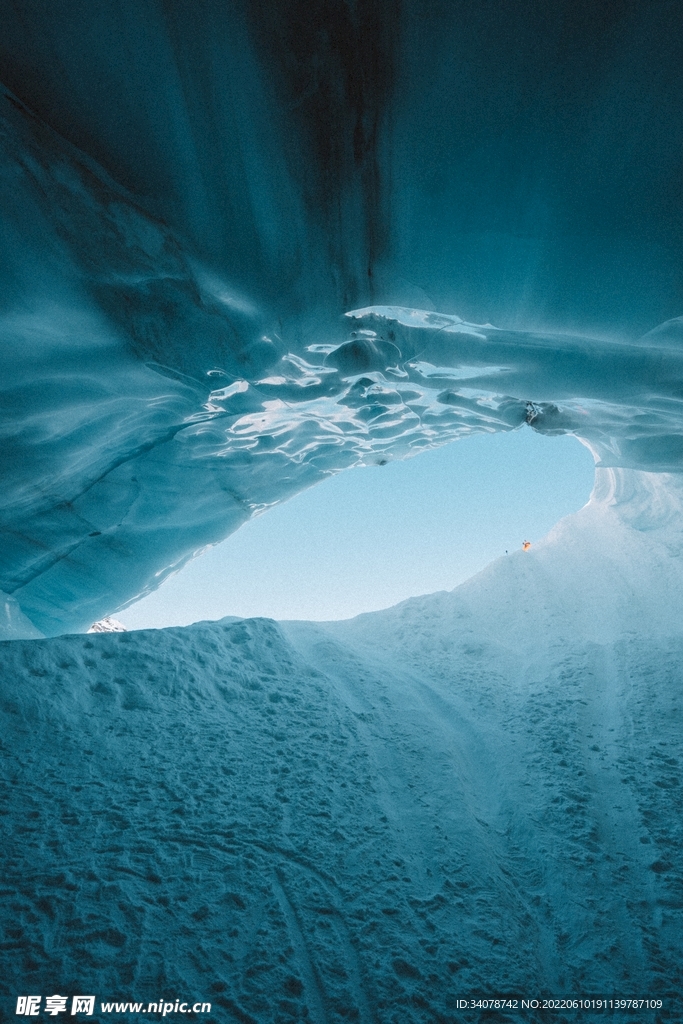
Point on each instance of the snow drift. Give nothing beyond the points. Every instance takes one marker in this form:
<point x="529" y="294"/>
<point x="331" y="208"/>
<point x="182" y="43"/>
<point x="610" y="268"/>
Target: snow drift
<point x="477" y="792"/>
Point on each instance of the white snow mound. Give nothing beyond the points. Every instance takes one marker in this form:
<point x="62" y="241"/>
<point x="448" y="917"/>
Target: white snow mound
<point x="474" y="793"/>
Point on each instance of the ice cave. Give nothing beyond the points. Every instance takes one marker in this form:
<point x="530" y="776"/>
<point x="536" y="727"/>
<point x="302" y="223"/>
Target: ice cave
<point x="247" y="245"/>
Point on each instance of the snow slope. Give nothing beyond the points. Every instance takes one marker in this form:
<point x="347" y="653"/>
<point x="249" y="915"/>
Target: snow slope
<point x="471" y="793"/>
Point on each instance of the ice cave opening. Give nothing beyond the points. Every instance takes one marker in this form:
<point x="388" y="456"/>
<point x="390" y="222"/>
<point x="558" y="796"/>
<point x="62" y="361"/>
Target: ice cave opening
<point x="368" y="538"/>
<point x="246" y="246"/>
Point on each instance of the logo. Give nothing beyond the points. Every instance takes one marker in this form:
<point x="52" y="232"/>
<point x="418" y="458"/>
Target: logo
<point x="29" y="1006"/>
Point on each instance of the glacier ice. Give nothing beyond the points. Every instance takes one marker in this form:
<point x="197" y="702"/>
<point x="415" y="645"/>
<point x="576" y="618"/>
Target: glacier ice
<point x="13" y="623"/>
<point x="473" y="793"/>
<point x="227" y="227"/>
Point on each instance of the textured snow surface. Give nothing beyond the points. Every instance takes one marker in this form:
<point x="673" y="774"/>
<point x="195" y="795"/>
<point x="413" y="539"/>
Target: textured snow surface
<point x="193" y="197"/>
<point x="473" y="792"/>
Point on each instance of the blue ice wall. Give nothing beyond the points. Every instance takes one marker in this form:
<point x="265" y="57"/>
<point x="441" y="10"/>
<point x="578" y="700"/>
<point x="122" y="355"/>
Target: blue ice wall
<point x="517" y="160"/>
<point x="194" y="195"/>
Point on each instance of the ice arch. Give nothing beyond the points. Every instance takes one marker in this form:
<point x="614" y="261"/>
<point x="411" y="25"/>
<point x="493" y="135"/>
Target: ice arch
<point x="227" y="228"/>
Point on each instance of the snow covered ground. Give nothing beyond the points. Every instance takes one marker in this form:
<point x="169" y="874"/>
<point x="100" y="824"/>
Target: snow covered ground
<point x="475" y="793"/>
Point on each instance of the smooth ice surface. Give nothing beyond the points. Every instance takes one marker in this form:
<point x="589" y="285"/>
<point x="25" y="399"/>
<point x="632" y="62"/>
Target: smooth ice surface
<point x="473" y="792"/>
<point x="13" y="623"/>
<point x="371" y="537"/>
<point x="235" y="238"/>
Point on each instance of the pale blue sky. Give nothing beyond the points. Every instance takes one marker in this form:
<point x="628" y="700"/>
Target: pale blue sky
<point x="369" y="538"/>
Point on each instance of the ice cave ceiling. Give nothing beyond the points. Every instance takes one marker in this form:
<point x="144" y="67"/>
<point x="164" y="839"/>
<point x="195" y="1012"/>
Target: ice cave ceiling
<point x="235" y="238"/>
